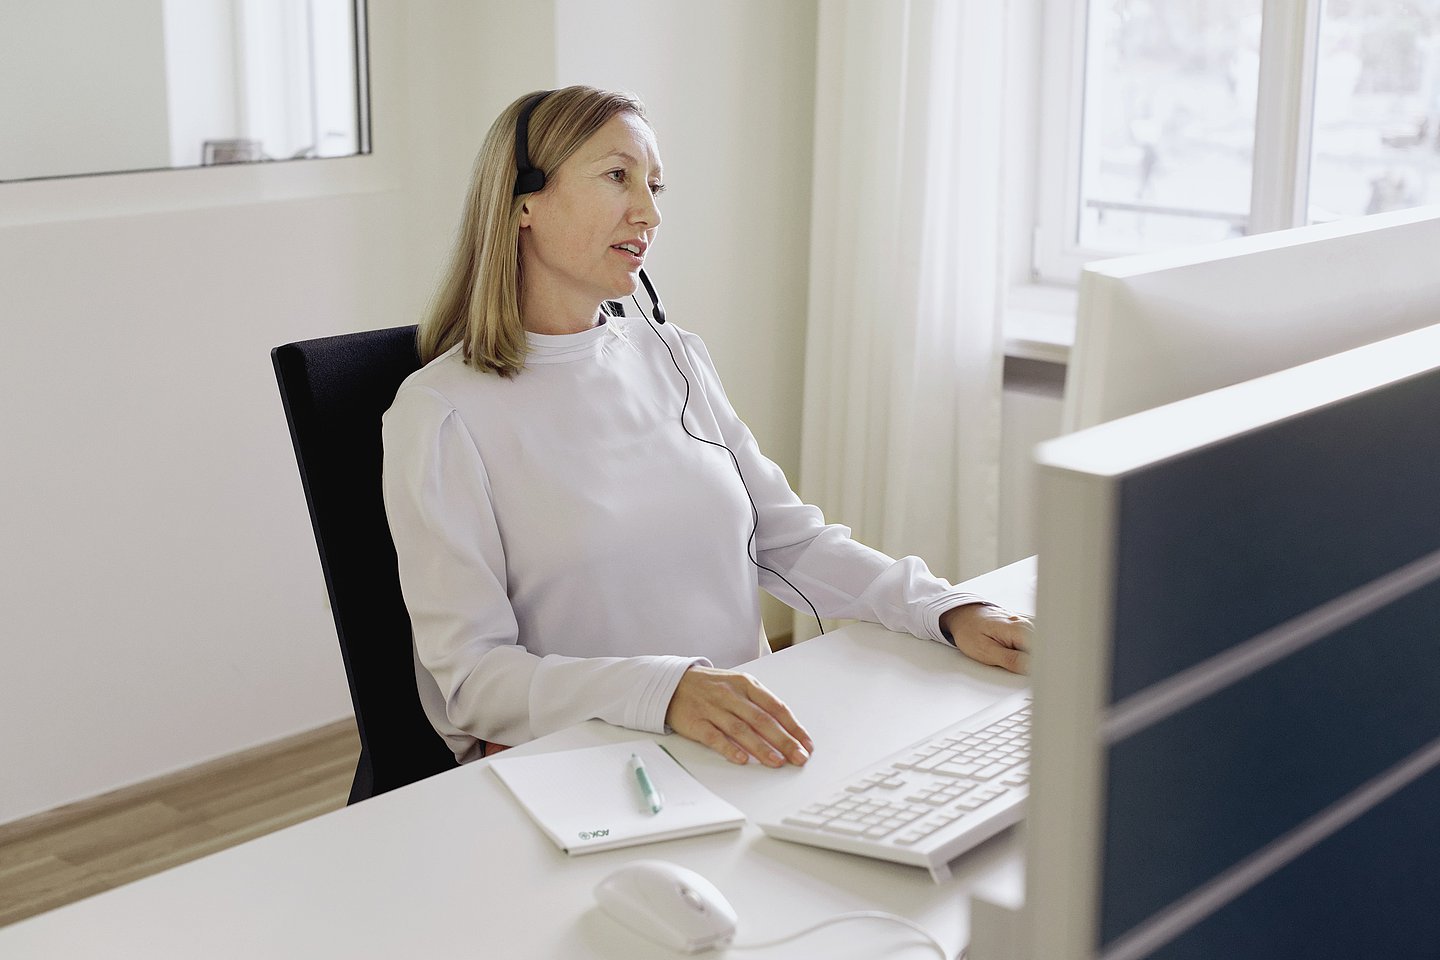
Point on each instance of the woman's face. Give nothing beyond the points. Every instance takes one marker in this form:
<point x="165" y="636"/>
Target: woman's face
<point x="584" y="237"/>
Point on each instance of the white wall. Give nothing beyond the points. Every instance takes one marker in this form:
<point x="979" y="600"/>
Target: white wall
<point x="82" y="87"/>
<point x="163" y="601"/>
<point x="730" y="90"/>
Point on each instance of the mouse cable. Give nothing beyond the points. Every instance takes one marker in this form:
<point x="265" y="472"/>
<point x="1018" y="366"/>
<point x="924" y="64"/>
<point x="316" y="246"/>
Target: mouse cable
<point x="754" y="512"/>
<point x="857" y="915"/>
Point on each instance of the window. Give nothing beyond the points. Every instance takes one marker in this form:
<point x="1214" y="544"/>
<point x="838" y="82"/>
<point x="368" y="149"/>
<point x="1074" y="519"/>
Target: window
<point x="1169" y="122"/>
<point x="89" y="88"/>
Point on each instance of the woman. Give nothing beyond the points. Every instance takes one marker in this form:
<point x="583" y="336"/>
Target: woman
<point x="573" y="500"/>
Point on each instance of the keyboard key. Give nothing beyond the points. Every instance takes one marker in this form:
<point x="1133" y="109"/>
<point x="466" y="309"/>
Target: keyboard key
<point x="994" y="770"/>
<point x="930" y="763"/>
<point x="957" y="769"/>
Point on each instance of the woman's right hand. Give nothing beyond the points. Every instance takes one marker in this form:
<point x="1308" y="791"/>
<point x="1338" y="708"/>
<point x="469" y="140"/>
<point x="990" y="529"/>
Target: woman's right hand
<point x="734" y="715"/>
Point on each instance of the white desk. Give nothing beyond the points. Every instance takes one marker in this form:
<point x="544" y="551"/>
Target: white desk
<point x="452" y="867"/>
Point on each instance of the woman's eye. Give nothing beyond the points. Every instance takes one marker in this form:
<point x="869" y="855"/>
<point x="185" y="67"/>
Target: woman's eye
<point x="617" y="175"/>
<point x="656" y="189"/>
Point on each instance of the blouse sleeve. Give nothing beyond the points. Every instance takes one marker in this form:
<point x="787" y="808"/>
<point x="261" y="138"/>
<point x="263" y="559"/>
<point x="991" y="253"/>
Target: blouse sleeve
<point x="840" y="576"/>
<point x="453" y="578"/>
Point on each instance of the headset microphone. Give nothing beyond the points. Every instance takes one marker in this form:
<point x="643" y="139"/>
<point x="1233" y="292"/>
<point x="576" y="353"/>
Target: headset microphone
<point x="657" y="309"/>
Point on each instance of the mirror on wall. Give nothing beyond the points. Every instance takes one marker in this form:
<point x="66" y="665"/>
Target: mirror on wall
<point x="124" y="85"/>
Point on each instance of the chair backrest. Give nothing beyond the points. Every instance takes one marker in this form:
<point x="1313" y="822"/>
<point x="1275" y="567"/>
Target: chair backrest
<point x="335" y="390"/>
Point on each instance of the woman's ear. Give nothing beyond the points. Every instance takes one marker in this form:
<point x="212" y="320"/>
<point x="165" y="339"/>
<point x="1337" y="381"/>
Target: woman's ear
<point x="529" y="206"/>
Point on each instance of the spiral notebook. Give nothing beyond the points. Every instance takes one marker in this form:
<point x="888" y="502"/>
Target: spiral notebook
<point x="588" y="799"/>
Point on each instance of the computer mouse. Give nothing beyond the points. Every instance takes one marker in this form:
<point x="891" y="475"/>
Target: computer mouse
<point x="669" y="904"/>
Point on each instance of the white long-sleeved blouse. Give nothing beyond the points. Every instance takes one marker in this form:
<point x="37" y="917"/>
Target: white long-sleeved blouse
<point x="567" y="550"/>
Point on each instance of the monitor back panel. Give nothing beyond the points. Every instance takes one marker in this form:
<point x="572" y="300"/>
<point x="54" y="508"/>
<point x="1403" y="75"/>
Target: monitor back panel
<point x="1154" y="328"/>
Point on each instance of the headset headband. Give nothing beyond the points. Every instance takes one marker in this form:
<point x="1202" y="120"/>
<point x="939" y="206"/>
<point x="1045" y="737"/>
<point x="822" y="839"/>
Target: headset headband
<point x="528" y="179"/>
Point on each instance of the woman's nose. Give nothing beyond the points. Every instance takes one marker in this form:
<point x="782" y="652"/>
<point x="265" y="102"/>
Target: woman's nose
<point x="646" y="210"/>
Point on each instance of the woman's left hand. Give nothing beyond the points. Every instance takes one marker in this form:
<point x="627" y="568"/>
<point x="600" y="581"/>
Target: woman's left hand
<point x="991" y="635"/>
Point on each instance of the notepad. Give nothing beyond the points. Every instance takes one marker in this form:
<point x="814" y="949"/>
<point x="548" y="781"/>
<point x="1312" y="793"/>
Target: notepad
<point x="587" y="799"/>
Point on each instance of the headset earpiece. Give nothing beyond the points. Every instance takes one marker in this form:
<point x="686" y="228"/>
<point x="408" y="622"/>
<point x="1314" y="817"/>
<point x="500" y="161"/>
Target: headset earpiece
<point x="529" y="181"/>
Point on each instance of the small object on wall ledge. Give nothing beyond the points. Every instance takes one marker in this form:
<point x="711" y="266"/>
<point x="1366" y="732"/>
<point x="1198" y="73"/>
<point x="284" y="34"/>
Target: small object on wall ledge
<point x="215" y="152"/>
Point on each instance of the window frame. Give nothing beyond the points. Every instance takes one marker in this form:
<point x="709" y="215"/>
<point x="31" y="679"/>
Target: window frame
<point x="1284" y="111"/>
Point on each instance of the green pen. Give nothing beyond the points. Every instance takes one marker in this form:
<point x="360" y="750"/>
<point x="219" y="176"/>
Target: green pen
<point x="647" y="786"/>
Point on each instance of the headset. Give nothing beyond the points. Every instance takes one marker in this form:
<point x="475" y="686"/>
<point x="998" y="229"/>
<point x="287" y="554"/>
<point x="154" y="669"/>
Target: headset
<point x="531" y="179"/>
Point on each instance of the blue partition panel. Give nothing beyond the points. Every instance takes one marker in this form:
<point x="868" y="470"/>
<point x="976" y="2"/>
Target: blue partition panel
<point x="1216" y="548"/>
<point x="1369" y="891"/>
<point x="1229" y="541"/>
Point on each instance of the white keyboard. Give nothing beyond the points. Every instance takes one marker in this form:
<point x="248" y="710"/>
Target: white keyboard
<point x="931" y="802"/>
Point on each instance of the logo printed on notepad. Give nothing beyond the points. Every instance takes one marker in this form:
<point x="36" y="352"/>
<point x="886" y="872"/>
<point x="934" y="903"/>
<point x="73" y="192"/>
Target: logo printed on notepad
<point x="593" y="834"/>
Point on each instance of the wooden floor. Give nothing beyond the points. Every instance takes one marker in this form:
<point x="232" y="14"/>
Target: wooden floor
<point x="60" y="856"/>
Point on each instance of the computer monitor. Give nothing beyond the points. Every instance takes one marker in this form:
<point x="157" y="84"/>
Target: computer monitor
<point x="1236" y="732"/>
<point x="1156" y="328"/>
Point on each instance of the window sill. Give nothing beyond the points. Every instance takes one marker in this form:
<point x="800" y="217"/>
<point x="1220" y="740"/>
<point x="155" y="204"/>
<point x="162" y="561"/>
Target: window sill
<point x="189" y="189"/>
<point x="1039" y="323"/>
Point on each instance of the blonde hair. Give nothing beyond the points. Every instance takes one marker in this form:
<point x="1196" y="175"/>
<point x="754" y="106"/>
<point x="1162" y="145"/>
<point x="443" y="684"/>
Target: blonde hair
<point x="478" y="302"/>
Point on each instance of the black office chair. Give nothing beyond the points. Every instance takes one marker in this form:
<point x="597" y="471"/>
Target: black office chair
<point x="334" y="390"/>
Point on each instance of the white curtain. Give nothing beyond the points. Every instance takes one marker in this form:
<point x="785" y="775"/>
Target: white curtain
<point x="904" y="349"/>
